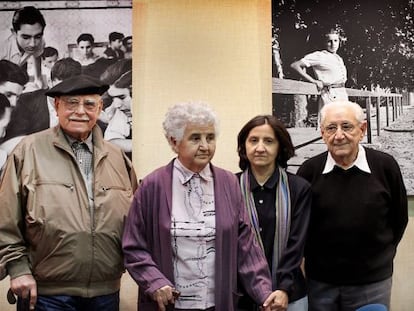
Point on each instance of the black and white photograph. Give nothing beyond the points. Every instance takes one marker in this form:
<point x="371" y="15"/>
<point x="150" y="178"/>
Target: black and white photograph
<point x="272" y="163"/>
<point x="361" y="50"/>
<point x="45" y="42"/>
<point x="66" y="94"/>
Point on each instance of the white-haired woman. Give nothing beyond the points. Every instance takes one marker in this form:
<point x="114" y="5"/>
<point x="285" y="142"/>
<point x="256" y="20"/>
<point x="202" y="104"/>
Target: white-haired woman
<point x="187" y="231"/>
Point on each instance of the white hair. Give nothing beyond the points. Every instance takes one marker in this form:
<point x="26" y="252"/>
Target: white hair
<point x="356" y="109"/>
<point x="180" y="115"/>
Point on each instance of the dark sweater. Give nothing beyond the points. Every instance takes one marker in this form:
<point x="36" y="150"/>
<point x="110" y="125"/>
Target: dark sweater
<point x="357" y="220"/>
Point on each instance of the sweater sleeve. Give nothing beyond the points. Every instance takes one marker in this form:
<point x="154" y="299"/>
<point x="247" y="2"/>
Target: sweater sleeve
<point x="387" y="167"/>
<point x="399" y="201"/>
<point x="137" y="245"/>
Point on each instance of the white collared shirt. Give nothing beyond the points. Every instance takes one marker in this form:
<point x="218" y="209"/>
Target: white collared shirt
<point x="193" y="234"/>
<point x="360" y="162"/>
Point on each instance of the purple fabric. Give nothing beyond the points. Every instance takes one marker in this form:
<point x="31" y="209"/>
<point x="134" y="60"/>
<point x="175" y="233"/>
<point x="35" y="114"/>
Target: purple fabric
<point x="147" y="241"/>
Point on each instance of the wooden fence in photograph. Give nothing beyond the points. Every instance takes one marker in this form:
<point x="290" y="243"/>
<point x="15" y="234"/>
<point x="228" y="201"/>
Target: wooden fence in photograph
<point x="373" y="100"/>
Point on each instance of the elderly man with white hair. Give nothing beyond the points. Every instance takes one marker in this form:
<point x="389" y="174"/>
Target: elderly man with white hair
<point x="358" y="215"/>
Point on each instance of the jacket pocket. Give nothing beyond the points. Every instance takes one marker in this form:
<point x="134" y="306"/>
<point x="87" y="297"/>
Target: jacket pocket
<point x="44" y="206"/>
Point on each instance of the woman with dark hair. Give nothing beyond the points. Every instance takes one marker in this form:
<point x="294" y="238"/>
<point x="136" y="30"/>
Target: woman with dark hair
<point x="278" y="204"/>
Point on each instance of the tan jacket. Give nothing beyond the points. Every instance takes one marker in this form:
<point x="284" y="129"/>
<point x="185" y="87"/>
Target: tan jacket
<point x="45" y="220"/>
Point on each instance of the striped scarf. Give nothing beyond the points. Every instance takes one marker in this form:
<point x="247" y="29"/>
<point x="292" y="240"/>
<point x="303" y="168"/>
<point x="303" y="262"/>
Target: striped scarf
<point x="283" y="214"/>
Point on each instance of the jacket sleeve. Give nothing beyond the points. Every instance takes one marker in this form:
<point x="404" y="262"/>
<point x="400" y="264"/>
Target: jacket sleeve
<point x="138" y="246"/>
<point x="13" y="250"/>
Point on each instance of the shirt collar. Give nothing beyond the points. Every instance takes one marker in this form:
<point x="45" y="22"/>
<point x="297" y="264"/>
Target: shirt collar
<point x="15" y="51"/>
<point x="360" y="162"/>
<point x="187" y="174"/>
<point x="269" y="184"/>
<point x="87" y="141"/>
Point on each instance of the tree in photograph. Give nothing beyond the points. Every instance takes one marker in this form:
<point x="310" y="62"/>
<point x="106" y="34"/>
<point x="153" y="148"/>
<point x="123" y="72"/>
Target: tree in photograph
<point x="379" y="37"/>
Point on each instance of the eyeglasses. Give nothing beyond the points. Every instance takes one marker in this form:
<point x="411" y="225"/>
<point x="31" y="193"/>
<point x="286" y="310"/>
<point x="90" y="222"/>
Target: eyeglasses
<point x="333" y="128"/>
<point x="72" y="104"/>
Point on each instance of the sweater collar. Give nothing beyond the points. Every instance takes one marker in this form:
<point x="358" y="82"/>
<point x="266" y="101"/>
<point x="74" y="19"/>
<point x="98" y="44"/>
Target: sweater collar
<point x="360" y="162"/>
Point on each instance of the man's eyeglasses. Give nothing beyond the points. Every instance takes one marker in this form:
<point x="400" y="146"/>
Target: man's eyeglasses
<point x="331" y="129"/>
<point x="72" y="104"/>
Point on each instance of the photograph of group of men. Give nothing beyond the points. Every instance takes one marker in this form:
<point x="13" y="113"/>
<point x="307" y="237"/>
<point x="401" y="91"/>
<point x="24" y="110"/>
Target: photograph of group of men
<point x="32" y="61"/>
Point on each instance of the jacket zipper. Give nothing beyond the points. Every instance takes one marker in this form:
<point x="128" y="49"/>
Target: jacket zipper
<point x="104" y="189"/>
<point x="71" y="187"/>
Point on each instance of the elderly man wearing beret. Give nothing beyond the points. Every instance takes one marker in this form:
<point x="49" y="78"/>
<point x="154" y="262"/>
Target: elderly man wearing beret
<point x="64" y="196"/>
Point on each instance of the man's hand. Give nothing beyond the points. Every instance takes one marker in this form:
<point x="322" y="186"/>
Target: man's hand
<point x="25" y="286"/>
<point x="277" y="301"/>
<point x="164" y="296"/>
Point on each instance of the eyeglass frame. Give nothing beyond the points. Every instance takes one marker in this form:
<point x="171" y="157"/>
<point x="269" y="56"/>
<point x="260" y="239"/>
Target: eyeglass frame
<point x="346" y="127"/>
<point x="72" y="106"/>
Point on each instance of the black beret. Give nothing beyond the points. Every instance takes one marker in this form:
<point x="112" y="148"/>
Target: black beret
<point x="78" y="85"/>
